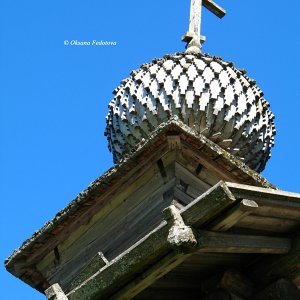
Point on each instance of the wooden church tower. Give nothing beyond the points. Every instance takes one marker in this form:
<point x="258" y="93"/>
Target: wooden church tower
<point x="184" y="214"/>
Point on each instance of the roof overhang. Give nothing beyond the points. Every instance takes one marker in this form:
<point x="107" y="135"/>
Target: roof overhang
<point x="198" y="228"/>
<point x="191" y="149"/>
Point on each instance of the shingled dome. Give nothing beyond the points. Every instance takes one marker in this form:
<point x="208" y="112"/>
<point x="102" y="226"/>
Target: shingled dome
<point x="206" y="93"/>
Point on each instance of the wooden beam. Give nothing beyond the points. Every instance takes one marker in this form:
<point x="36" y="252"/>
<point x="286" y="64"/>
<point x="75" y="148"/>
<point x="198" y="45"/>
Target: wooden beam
<point x="207" y="162"/>
<point x="209" y="241"/>
<point x="214" y="8"/>
<point x="243" y="191"/>
<point x="234" y="215"/>
<point x="124" y="268"/>
<point x="209" y="204"/>
<point x="148" y="277"/>
<point x="98" y="262"/>
<point x="174" y="141"/>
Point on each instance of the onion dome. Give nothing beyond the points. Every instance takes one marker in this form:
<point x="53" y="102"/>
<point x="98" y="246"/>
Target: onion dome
<point x="208" y="94"/>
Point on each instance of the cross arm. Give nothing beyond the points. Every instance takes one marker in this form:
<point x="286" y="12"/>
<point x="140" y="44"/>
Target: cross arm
<point x="214" y="8"/>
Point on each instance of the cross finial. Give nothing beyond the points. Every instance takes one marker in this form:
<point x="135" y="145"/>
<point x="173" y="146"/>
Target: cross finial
<point x="193" y="37"/>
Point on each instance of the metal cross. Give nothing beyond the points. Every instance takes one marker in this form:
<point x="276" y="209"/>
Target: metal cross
<point x="193" y="38"/>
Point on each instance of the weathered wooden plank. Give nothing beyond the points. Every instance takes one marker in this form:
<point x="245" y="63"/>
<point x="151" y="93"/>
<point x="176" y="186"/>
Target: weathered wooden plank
<point x="243" y="191"/>
<point x="209" y="164"/>
<point x="208" y="177"/>
<point x="131" y="178"/>
<point x="98" y="262"/>
<point x="196" y="184"/>
<point x="192" y="164"/>
<point x="263" y="223"/>
<point x="209" y="241"/>
<point x="285" y="210"/>
<point x="125" y="267"/>
<point x="129" y="228"/>
<point x="182" y="197"/>
<point x="278" y="211"/>
<point x="234" y="215"/>
<point x="145" y="279"/>
<point x="188" y="186"/>
<point x="136" y="215"/>
<point x="208" y="205"/>
<point x="194" y="193"/>
<point x="174" y="142"/>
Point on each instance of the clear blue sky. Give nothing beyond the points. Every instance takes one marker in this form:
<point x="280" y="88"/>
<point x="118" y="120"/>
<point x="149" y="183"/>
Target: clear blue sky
<point x="53" y="98"/>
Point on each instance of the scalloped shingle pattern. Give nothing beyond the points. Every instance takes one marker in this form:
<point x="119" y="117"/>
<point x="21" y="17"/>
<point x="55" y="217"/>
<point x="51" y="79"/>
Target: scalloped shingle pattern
<point x="208" y="94"/>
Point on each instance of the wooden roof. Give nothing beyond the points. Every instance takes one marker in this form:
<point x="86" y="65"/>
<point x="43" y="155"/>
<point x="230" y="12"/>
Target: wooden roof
<point x="160" y="252"/>
<point x="175" y="150"/>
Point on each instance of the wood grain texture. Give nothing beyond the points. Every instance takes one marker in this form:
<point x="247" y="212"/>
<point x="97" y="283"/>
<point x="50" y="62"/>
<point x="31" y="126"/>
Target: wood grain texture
<point x="234" y="243"/>
<point x="151" y="247"/>
<point x="214" y="8"/>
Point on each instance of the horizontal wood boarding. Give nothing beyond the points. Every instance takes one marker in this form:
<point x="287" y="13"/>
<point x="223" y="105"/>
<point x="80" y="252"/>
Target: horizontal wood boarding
<point x="268" y="194"/>
<point x="134" y="217"/>
<point x="264" y="223"/>
<point x="197" y="186"/>
<point x="138" y="212"/>
<point x="209" y="241"/>
<point x="285" y="210"/>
